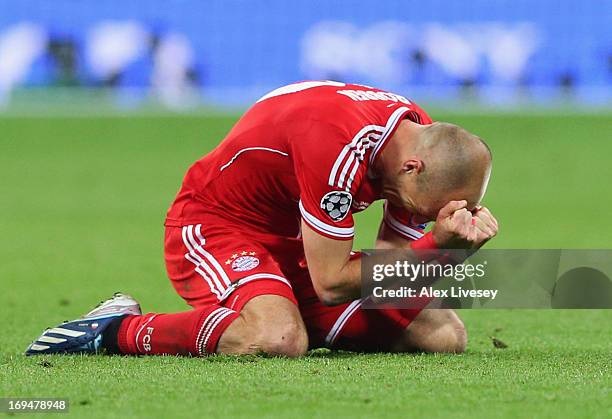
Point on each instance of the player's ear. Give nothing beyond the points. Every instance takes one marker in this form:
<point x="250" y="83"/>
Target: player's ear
<point x="413" y="166"/>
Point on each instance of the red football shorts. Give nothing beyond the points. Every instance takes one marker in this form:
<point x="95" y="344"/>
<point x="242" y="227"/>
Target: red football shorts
<point x="218" y="265"/>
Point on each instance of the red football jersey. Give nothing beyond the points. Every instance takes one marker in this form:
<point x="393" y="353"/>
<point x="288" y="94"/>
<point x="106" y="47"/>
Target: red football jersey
<point x="301" y="152"/>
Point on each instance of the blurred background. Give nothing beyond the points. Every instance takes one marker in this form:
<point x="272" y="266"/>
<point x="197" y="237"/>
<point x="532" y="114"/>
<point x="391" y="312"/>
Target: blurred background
<point x="104" y="105"/>
<point x="185" y="55"/>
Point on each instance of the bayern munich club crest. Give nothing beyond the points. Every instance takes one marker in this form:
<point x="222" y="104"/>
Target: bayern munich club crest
<point x="336" y="204"/>
<point x="243" y="261"/>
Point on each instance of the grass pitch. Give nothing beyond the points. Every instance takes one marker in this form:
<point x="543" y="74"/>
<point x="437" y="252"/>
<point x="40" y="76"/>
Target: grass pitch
<point x="82" y="206"/>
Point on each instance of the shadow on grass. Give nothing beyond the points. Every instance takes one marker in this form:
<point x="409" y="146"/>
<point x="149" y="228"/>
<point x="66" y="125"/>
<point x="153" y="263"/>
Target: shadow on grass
<point x="319" y="353"/>
<point x="513" y="354"/>
<point x="314" y="353"/>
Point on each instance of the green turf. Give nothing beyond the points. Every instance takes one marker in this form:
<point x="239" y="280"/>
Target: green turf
<point x="82" y="203"/>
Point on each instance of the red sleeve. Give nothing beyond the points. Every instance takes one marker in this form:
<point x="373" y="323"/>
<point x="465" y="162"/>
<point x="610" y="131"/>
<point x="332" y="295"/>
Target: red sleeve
<point x="400" y="221"/>
<point x="326" y="208"/>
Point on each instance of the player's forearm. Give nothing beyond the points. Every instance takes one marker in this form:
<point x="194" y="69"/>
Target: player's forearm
<point x="335" y="273"/>
<point x="339" y="280"/>
<point x="344" y="283"/>
<point x="341" y="286"/>
<point x="389" y="239"/>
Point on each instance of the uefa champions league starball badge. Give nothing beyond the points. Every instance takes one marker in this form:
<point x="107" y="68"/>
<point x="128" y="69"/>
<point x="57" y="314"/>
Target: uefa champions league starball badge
<point x="336" y="204"/>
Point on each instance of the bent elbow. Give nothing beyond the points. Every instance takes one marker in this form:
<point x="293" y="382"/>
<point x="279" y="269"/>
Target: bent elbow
<point x="331" y="296"/>
<point x="331" y="299"/>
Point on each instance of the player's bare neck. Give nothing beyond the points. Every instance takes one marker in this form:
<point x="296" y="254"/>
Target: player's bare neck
<point x="401" y="146"/>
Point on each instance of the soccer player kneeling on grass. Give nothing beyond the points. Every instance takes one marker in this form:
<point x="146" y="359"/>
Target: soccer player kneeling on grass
<point x="259" y="238"/>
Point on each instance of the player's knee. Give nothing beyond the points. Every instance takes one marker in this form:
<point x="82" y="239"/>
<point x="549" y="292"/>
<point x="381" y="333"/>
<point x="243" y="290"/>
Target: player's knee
<point x="267" y="324"/>
<point x="289" y="340"/>
<point x="462" y="340"/>
<point x="437" y="331"/>
<point x="285" y="338"/>
<point x="448" y="338"/>
<point x="455" y="338"/>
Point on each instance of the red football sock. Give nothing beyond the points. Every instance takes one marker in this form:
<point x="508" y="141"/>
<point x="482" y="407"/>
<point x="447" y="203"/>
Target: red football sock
<point x="194" y="332"/>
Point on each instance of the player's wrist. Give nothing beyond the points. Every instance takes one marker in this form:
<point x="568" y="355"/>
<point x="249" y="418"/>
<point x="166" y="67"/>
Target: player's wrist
<point x="427" y="249"/>
<point x="427" y="242"/>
